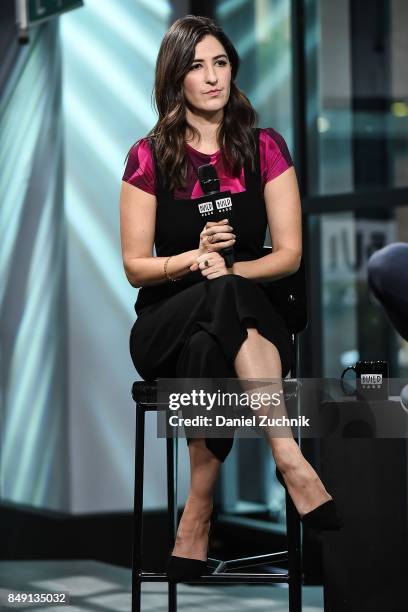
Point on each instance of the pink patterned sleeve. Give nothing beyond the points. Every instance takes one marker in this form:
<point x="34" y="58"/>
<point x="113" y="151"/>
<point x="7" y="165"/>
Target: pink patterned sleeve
<point x="274" y="155"/>
<point x="139" y="170"/>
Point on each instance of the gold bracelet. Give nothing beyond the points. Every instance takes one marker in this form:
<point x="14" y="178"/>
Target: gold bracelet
<point x="167" y="275"/>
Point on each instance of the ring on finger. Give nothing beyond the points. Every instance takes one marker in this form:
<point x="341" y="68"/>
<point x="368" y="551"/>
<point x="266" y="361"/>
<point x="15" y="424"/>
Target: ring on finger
<point x="206" y="263"/>
<point x="208" y="238"/>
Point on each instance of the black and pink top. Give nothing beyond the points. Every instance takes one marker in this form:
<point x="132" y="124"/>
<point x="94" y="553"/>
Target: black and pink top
<point x="274" y="159"/>
<point x="178" y="224"/>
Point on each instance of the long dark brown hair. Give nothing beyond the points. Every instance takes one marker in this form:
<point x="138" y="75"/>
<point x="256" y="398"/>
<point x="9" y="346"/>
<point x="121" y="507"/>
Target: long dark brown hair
<point x="235" y="134"/>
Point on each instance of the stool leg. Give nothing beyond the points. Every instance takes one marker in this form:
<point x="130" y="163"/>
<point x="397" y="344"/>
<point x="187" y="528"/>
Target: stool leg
<point x="172" y="472"/>
<point x="294" y="556"/>
<point x="138" y="509"/>
<point x="293" y="521"/>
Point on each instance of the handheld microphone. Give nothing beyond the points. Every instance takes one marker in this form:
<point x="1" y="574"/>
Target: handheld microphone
<point x="216" y="204"/>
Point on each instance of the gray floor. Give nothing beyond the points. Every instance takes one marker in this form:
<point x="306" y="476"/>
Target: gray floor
<point x="98" y="587"/>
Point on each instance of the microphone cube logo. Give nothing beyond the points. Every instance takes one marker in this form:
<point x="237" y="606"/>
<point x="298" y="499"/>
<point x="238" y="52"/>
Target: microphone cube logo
<point x="206" y="208"/>
<point x="369" y="381"/>
<point x="223" y="203"/>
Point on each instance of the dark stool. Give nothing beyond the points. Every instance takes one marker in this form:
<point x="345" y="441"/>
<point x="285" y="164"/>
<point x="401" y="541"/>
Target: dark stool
<point x="288" y="294"/>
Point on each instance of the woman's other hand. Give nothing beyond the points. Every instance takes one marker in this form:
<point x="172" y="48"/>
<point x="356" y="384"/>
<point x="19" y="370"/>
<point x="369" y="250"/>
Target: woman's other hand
<point x="211" y="265"/>
<point x="216" y="235"/>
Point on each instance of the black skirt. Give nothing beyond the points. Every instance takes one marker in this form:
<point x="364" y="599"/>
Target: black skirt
<point x="197" y="333"/>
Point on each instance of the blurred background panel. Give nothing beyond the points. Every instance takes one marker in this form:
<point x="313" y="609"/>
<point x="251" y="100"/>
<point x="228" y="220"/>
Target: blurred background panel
<point x="109" y="52"/>
<point x="34" y="379"/>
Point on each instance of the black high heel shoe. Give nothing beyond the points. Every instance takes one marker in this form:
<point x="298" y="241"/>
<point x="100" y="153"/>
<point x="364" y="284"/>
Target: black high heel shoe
<point x="325" y="517"/>
<point x="183" y="568"/>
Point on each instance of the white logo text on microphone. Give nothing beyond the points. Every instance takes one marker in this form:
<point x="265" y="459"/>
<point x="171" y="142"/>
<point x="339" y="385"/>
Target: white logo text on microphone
<point x="206" y="208"/>
<point x="223" y="203"/>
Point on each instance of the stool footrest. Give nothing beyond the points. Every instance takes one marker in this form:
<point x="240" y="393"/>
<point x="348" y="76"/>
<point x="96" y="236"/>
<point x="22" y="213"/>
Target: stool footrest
<point x="221" y="578"/>
<point x="219" y="565"/>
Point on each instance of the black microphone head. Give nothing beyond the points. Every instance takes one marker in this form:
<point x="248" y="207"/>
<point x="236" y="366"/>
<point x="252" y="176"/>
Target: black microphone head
<point x="208" y="177"/>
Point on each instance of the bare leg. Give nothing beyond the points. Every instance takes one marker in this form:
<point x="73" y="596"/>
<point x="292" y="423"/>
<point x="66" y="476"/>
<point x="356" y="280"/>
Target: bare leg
<point x="259" y="358"/>
<point x="192" y="532"/>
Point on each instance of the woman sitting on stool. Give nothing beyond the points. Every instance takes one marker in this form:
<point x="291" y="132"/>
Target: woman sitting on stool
<point x="215" y="321"/>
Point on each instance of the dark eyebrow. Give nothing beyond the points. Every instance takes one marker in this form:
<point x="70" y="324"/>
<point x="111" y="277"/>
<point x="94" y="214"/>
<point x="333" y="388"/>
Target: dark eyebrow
<point x="215" y="57"/>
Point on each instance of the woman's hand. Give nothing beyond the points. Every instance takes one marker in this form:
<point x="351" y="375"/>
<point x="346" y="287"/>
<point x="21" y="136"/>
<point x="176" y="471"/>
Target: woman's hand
<point x="216" y="235"/>
<point x="212" y="265"/>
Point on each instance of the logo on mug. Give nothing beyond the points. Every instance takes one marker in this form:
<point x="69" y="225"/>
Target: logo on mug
<point x="373" y="381"/>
